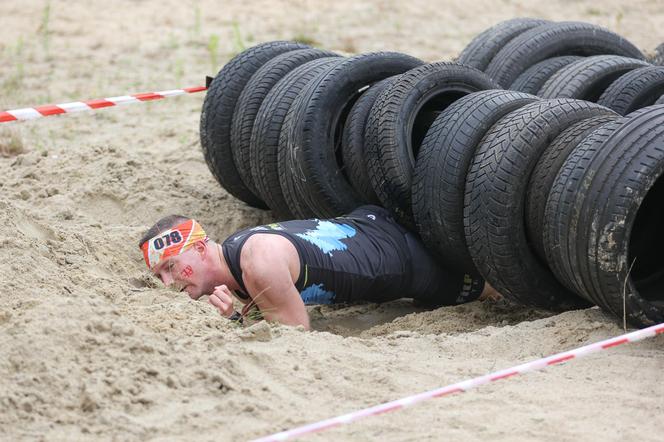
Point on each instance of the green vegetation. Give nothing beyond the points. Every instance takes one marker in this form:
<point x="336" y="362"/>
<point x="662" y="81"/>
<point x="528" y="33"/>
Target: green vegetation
<point x="305" y="39"/>
<point x="11" y="144"/>
<point x="43" y="29"/>
<point x="213" y="50"/>
<point x="238" y="43"/>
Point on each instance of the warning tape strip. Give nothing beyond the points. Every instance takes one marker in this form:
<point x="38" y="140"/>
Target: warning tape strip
<point x="461" y="387"/>
<point x="30" y="113"/>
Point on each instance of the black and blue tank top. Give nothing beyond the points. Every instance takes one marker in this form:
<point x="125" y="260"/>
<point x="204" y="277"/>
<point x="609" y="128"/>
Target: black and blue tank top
<point x="362" y="255"/>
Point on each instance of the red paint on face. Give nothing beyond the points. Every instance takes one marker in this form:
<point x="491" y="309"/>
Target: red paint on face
<point x="187" y="272"/>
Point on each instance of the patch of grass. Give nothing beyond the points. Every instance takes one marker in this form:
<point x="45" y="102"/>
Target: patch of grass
<point x="593" y="11"/>
<point x="305" y="39"/>
<point x="12" y="84"/>
<point x="619" y="18"/>
<point x="213" y="50"/>
<point x="196" y="29"/>
<point x="179" y="71"/>
<point x="11" y="143"/>
<point x="43" y="29"/>
<point x="238" y="43"/>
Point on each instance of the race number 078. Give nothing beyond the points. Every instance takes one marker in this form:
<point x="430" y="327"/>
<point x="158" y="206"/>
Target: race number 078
<point x="171" y="238"/>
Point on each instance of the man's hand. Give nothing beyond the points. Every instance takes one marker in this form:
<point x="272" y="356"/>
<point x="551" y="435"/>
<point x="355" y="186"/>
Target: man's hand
<point x="223" y="300"/>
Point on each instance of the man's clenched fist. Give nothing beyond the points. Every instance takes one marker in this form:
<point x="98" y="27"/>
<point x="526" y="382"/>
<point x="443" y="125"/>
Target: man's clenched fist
<point x="223" y="300"/>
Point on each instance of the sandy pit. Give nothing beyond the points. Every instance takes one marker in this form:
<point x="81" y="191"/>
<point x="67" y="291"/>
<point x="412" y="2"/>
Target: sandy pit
<point x="91" y="348"/>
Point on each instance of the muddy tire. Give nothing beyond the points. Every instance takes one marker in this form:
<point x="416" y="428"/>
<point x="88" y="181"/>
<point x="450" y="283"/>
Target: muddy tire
<point x="495" y="199"/>
<point x="264" y="144"/>
<point x="553" y="40"/>
<point x="634" y="90"/>
<point x="439" y="179"/>
<point x="533" y="78"/>
<point x="217" y="115"/>
<point x="606" y="240"/>
<point x="481" y="50"/>
<point x="587" y="79"/>
<point x="310" y="139"/>
<point x="546" y="170"/>
<point x="399" y="121"/>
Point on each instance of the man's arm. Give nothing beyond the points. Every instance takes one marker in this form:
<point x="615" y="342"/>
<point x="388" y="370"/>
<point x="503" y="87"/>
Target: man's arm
<point x="270" y="266"/>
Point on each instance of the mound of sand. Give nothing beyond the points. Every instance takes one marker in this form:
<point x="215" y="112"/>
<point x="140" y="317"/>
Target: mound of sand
<point x="93" y="348"/>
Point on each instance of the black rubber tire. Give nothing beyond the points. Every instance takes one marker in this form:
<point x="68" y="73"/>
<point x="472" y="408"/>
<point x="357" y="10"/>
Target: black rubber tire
<point x="546" y="170"/>
<point x="587" y="79"/>
<point x="481" y="49"/>
<point x="552" y="40"/>
<point x="217" y="115"/>
<point x="605" y="228"/>
<point x="439" y="180"/>
<point x="264" y="145"/>
<point x="353" y="142"/>
<point x="398" y="123"/>
<point x="634" y="90"/>
<point x="311" y="135"/>
<point x="494" y="203"/>
<point x="558" y="212"/>
<point x="250" y="101"/>
<point x="533" y="78"/>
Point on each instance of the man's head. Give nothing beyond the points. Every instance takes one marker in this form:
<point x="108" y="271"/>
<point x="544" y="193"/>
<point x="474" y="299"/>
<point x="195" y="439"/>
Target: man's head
<point x="177" y="251"/>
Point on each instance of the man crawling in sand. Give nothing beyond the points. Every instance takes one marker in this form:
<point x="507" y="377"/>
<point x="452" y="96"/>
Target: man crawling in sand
<point x="279" y="268"/>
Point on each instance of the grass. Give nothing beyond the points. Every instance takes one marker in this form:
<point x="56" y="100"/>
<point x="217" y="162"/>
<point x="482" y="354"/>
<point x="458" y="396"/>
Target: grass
<point x="238" y="43"/>
<point x="196" y="30"/>
<point x="213" y="50"/>
<point x="305" y="39"/>
<point x="11" y="144"/>
<point x="43" y="29"/>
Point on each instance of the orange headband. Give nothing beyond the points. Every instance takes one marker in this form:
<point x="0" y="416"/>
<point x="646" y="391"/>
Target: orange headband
<point x="172" y="242"/>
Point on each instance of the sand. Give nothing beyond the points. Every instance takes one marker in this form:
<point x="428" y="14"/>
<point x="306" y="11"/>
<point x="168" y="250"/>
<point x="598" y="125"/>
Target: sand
<point x="91" y="348"/>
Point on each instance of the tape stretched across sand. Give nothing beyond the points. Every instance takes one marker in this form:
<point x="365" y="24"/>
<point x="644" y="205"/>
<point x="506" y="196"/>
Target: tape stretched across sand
<point x="30" y="113"/>
<point x="461" y="387"/>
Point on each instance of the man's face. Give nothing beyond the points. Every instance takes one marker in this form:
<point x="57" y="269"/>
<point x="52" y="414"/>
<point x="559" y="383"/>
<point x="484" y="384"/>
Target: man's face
<point x="185" y="272"/>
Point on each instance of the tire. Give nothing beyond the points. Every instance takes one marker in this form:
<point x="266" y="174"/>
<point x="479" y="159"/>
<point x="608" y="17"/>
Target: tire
<point x="439" y="179"/>
<point x="558" y="213"/>
<point x="495" y="197"/>
<point x="310" y="138"/>
<point x="546" y="170"/>
<point x="614" y="253"/>
<point x="533" y="78"/>
<point x="634" y="90"/>
<point x="587" y="79"/>
<point x="217" y="115"/>
<point x="552" y="40"/>
<point x="660" y="101"/>
<point x="398" y="123"/>
<point x="353" y="142"/>
<point x="264" y="145"/>
<point x="481" y="49"/>
<point x="250" y="101"/>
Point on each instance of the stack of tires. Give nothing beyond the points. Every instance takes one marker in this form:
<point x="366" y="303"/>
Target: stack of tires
<point x="283" y="125"/>
<point x="553" y="200"/>
<point x="567" y="60"/>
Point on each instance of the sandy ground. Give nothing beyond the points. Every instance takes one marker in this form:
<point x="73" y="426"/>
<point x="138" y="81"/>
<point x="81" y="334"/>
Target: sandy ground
<point x="91" y="348"/>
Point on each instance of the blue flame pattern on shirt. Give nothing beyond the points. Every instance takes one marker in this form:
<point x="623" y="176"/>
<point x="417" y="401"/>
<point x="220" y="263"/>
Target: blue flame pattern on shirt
<point x="327" y="236"/>
<point x="316" y="294"/>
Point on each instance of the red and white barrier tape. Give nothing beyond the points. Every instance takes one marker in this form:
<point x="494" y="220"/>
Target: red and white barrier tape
<point x="30" y="113"/>
<point x="461" y="387"/>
